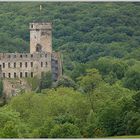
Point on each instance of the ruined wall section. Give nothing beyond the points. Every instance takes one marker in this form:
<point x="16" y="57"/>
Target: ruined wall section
<point x="20" y="65"/>
<point x="56" y="66"/>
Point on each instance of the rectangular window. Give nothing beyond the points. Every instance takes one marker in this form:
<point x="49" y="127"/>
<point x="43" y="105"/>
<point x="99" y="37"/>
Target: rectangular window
<point x="14" y="65"/>
<point x="26" y="74"/>
<point x="3" y="75"/>
<point x="14" y="75"/>
<point x="9" y="75"/>
<point x="20" y="64"/>
<point x="26" y="64"/>
<point x="3" y="65"/>
<point x="20" y="74"/>
<point x="46" y="64"/>
<point x="41" y="64"/>
<point x="42" y="74"/>
<point x="31" y="64"/>
<point x="32" y="74"/>
<point x="8" y="65"/>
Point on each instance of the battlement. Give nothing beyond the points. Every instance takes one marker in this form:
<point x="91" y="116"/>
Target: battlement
<point x="40" y="26"/>
<point x="9" y="56"/>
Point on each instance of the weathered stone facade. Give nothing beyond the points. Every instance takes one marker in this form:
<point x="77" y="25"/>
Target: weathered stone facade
<point x="40" y="37"/>
<point x="41" y="58"/>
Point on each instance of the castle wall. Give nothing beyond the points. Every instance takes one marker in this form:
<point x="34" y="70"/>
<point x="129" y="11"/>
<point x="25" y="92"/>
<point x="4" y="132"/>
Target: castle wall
<point x="21" y="65"/>
<point x="15" y="67"/>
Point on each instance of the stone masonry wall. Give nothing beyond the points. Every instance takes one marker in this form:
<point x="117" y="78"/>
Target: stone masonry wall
<point x="21" y="65"/>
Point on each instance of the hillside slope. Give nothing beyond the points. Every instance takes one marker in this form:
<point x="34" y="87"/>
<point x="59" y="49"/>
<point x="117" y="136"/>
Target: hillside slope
<point x="97" y="28"/>
<point x="83" y="32"/>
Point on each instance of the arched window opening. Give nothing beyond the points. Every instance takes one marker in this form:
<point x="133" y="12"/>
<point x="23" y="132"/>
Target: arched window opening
<point x="38" y="48"/>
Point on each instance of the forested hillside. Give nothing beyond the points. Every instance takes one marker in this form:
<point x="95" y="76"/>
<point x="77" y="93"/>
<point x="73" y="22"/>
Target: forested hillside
<point x="99" y="93"/>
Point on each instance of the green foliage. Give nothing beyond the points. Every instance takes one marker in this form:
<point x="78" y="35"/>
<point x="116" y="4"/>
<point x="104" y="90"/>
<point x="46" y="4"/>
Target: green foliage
<point x="46" y="80"/>
<point x="136" y="101"/>
<point x="114" y="67"/>
<point x="132" y="78"/>
<point x="49" y="127"/>
<point x="90" y="81"/>
<point x="66" y="130"/>
<point x="132" y="121"/>
<point x="66" y="82"/>
<point x="44" y="131"/>
<point x="11" y="125"/>
<point x="110" y="119"/>
<point x="78" y="70"/>
<point x="100" y="58"/>
<point x="42" y="109"/>
<point x="92" y="128"/>
<point x="33" y="82"/>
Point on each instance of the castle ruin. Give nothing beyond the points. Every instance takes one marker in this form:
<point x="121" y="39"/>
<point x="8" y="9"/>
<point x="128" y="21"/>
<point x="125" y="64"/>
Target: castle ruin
<point x="40" y="60"/>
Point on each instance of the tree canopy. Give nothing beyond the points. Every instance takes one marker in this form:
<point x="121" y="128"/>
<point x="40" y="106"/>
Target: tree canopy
<point x="98" y="95"/>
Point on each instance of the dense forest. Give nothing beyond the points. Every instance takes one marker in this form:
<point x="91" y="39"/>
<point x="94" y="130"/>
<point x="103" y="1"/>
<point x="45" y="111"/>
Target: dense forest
<point x="99" y="92"/>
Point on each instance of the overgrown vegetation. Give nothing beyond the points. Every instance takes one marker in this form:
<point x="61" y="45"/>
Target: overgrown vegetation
<point x="99" y="94"/>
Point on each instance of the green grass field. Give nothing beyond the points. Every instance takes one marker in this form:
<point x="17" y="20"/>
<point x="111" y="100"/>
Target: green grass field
<point x="131" y="136"/>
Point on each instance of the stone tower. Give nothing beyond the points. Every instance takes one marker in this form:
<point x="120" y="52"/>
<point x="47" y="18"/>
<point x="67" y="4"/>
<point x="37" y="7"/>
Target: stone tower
<point x="40" y="37"/>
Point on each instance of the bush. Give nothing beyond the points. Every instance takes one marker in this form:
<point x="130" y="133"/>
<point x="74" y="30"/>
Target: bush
<point x="66" y="130"/>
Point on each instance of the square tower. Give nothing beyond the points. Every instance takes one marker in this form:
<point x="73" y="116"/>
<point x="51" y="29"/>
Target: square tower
<point x="40" y="37"/>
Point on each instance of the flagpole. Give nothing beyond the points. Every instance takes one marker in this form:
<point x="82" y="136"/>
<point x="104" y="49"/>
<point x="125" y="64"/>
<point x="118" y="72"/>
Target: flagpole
<point x="40" y="9"/>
